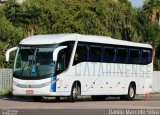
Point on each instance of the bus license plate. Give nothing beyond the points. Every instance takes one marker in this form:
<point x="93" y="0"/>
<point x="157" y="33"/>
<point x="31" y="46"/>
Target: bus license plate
<point x="29" y="92"/>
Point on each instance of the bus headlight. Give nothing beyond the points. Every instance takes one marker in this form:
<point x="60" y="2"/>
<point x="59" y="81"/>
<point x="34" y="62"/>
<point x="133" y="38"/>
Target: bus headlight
<point x="54" y="81"/>
<point x="50" y="82"/>
<point x="47" y="83"/>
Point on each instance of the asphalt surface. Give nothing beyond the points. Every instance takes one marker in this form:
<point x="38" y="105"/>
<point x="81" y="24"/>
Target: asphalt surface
<point x="84" y="106"/>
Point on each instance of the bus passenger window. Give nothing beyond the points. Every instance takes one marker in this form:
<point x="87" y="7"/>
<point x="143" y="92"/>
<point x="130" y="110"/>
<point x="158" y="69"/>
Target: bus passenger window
<point x="95" y="54"/>
<point x="134" y="56"/>
<point x="146" y="57"/>
<point x="80" y="55"/>
<point x="121" y="56"/>
<point x="108" y="55"/>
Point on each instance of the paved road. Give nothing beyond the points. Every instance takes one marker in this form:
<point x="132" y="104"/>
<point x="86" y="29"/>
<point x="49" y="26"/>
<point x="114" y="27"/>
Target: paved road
<point x="82" y="106"/>
<point x="26" y="103"/>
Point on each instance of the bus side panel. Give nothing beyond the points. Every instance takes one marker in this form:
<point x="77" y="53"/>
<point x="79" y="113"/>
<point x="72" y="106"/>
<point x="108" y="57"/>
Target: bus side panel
<point x="109" y="79"/>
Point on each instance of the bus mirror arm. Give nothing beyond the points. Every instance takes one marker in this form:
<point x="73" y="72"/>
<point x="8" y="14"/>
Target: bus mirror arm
<point x="56" y="51"/>
<point x="8" y="52"/>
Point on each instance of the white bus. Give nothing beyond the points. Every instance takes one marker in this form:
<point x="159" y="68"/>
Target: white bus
<point x="73" y="64"/>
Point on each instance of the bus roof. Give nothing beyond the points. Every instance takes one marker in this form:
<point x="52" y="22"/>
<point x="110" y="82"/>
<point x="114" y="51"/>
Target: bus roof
<point x="58" y="38"/>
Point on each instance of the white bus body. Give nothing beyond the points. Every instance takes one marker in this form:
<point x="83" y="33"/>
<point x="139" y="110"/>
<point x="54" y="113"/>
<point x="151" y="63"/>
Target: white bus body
<point x="74" y="64"/>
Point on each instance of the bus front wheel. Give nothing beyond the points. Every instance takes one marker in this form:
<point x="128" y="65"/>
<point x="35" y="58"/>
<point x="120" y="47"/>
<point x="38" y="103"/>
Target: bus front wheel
<point x="75" y="92"/>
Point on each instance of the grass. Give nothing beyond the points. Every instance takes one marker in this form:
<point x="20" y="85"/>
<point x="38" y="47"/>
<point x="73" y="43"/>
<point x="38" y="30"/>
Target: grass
<point x="7" y="93"/>
<point x="155" y="93"/>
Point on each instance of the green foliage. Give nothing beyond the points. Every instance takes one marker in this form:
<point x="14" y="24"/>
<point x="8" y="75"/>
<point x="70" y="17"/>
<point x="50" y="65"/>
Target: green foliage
<point x="6" y="93"/>
<point x="9" y="37"/>
<point x="116" y="18"/>
<point x="100" y="17"/>
<point x="25" y="15"/>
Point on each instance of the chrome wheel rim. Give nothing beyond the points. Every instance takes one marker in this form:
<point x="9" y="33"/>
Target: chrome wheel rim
<point x="75" y="92"/>
<point x="131" y="92"/>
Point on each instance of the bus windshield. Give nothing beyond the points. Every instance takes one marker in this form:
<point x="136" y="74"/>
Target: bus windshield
<point x="34" y="62"/>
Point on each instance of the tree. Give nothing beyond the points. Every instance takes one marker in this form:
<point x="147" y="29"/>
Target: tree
<point x="152" y="10"/>
<point x="9" y="37"/>
<point x="25" y="15"/>
<point x="151" y="28"/>
<point x="116" y="18"/>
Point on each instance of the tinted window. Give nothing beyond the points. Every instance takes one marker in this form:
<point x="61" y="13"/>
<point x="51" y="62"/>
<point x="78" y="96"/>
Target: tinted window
<point x="108" y="55"/>
<point x="121" y="56"/>
<point x="146" y="56"/>
<point x="95" y="54"/>
<point x="64" y="57"/>
<point x="69" y="50"/>
<point x="134" y="56"/>
<point x="81" y="54"/>
<point x="61" y="62"/>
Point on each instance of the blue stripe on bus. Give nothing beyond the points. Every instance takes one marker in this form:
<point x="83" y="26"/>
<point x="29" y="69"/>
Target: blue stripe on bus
<point x="53" y="83"/>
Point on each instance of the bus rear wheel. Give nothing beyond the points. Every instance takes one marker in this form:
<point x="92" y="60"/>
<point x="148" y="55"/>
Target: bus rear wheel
<point x="131" y="93"/>
<point x="75" y="92"/>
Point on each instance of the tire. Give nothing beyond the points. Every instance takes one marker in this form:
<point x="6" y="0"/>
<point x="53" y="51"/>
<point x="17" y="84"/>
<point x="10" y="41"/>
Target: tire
<point x="37" y="98"/>
<point x="98" y="98"/>
<point x="131" y="93"/>
<point x="75" y="92"/>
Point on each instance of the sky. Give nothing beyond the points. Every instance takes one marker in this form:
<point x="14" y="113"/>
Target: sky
<point x="137" y="3"/>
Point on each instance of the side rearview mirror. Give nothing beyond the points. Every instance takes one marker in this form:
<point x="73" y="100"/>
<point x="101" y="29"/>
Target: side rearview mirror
<point x="56" y="51"/>
<point x="7" y="55"/>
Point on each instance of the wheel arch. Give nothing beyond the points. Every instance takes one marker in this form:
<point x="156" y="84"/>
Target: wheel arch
<point x="76" y="82"/>
<point x="134" y="84"/>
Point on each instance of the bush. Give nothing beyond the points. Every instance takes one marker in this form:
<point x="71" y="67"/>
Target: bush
<point x="7" y="93"/>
